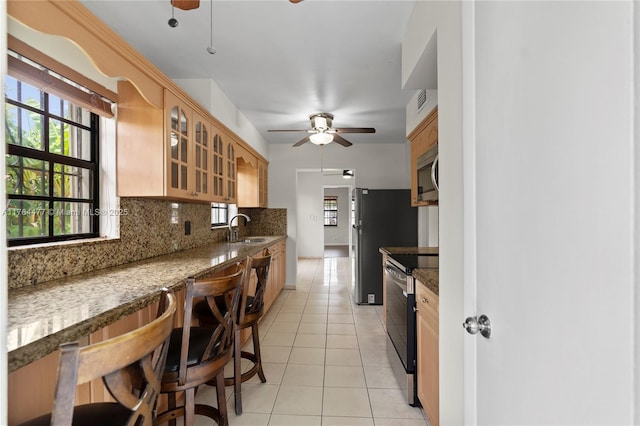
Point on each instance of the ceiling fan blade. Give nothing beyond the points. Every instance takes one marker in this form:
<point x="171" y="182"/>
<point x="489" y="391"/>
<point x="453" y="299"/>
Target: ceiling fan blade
<point x="186" y="4"/>
<point x="301" y="142"/>
<point x="342" y="141"/>
<point x="355" y="130"/>
<point x="288" y="130"/>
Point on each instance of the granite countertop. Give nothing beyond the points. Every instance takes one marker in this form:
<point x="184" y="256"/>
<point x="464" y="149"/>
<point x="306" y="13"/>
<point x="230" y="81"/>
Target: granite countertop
<point x="409" y="250"/>
<point x="43" y="316"/>
<point x="428" y="276"/>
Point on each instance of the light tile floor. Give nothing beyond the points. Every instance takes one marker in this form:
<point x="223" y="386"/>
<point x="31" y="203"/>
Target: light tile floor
<point x="327" y="360"/>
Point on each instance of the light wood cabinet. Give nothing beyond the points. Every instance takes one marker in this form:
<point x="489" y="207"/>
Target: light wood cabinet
<point x="176" y="152"/>
<point x="224" y="168"/>
<point x="263" y="182"/>
<point x="179" y="143"/>
<point x="201" y="160"/>
<point x="422" y="138"/>
<point x="277" y="272"/>
<point x="428" y="359"/>
<point x="252" y="179"/>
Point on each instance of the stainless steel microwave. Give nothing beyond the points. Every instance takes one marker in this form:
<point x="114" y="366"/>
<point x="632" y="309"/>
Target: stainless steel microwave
<point x="427" y="169"/>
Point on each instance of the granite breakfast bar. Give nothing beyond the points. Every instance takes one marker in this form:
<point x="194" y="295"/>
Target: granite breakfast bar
<point x="43" y="316"/>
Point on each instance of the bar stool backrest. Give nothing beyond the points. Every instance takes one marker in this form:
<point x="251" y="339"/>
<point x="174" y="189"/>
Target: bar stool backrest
<point x="259" y="264"/>
<point x="131" y="366"/>
<point x="226" y="289"/>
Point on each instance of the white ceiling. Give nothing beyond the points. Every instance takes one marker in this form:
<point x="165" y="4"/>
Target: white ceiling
<point x="278" y="62"/>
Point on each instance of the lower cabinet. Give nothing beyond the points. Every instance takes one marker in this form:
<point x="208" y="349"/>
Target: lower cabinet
<point x="277" y="273"/>
<point x="428" y="358"/>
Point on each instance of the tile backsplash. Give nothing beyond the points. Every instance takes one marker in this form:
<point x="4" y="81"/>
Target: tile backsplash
<point x="149" y="228"/>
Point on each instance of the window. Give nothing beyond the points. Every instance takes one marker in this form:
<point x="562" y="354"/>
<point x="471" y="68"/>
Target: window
<point x="330" y="211"/>
<point x="52" y="157"/>
<point x="219" y="214"/>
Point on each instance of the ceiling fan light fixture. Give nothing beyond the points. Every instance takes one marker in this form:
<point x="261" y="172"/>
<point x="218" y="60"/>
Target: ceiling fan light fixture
<point x="321" y="121"/>
<point x="321" y="138"/>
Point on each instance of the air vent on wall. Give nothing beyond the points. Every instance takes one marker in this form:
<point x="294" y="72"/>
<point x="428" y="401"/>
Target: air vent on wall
<point x="422" y="98"/>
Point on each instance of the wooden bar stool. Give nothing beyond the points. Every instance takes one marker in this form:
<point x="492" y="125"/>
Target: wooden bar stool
<point x="130" y="366"/>
<point x="197" y="355"/>
<point x="249" y="314"/>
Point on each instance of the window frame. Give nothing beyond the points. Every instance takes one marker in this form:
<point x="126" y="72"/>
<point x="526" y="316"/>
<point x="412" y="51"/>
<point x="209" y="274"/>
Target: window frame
<point x="220" y="207"/>
<point x="53" y="159"/>
<point x="330" y="210"/>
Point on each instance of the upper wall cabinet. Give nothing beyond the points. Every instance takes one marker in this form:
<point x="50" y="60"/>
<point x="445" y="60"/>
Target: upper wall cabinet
<point x="170" y="152"/>
<point x="263" y="183"/>
<point x="224" y="168"/>
<point x="422" y="139"/>
<point x="252" y="179"/>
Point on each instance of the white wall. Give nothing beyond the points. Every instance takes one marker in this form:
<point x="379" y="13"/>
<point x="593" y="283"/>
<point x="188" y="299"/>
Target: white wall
<point x="428" y="19"/>
<point x="339" y="235"/>
<point x="414" y="116"/>
<point x="382" y="166"/>
<point x="309" y="214"/>
<point x="428" y="230"/>
<point x="211" y="97"/>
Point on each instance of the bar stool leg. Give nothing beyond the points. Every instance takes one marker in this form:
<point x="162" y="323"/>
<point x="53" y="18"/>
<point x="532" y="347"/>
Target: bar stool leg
<point x="172" y="405"/>
<point x="237" y="371"/>
<point x="256" y="351"/>
<point x="189" y="405"/>
<point x="222" y="402"/>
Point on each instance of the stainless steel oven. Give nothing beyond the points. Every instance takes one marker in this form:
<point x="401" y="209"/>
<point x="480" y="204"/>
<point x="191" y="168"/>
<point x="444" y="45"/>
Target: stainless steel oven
<point x="401" y="320"/>
<point x="400" y="313"/>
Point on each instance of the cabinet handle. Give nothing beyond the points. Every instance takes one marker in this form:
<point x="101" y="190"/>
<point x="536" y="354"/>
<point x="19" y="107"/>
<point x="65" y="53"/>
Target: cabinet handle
<point x="424" y="300"/>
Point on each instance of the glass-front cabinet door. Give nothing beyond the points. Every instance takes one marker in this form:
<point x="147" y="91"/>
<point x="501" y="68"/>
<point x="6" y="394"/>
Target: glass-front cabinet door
<point x="202" y="161"/>
<point x="218" y="168"/>
<point x="231" y="172"/>
<point x="223" y="168"/>
<point x="178" y="145"/>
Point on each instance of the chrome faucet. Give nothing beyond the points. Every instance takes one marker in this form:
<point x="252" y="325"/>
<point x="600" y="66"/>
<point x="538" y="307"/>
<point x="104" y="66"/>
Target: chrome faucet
<point x="231" y="232"/>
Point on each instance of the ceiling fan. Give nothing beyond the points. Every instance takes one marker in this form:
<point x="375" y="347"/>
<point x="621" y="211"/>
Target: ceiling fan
<point x="321" y="132"/>
<point x="194" y="4"/>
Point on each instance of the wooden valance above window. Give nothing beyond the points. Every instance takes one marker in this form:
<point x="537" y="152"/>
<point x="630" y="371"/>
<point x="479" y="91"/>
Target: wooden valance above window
<point x="39" y="70"/>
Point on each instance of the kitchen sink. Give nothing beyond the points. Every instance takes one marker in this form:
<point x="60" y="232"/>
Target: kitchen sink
<point x="253" y="240"/>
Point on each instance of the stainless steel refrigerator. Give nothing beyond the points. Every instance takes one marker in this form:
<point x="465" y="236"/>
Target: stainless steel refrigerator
<point x="382" y="218"/>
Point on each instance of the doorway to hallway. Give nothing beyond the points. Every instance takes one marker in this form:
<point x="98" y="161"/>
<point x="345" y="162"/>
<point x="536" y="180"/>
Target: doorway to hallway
<point x="336" y="251"/>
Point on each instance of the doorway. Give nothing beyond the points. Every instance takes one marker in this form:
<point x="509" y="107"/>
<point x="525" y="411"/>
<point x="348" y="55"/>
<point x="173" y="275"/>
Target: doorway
<point x="337" y="208"/>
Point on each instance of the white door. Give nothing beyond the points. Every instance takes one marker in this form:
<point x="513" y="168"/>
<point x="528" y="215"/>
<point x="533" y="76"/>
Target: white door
<point x="552" y="95"/>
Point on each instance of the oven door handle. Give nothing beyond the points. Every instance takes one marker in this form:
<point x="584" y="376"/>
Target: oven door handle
<point x="403" y="286"/>
<point x="391" y="276"/>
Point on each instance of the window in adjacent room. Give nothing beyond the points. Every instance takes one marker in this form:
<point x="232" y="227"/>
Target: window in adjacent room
<point x="219" y="214"/>
<point x="330" y="211"/>
<point x="52" y="130"/>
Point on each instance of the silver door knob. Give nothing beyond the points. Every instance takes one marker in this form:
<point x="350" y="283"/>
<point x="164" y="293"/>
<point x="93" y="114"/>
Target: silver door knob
<point x="481" y="324"/>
